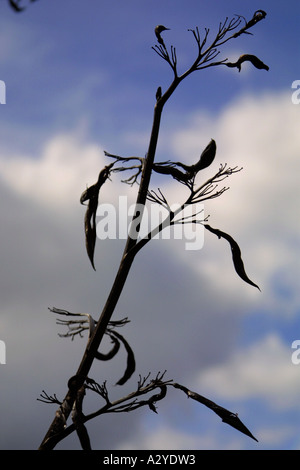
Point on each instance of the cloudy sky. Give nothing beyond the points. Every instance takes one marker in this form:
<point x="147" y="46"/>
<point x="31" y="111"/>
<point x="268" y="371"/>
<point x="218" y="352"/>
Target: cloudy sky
<point x="81" y="78"/>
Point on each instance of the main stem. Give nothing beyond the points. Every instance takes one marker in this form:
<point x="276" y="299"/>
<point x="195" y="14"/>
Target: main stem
<point x="55" y="431"/>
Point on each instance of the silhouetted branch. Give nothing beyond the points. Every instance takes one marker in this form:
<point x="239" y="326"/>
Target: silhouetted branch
<point x="45" y="398"/>
<point x="133" y="401"/>
<point x="205" y="191"/>
<point x="101" y="390"/>
<point x="160" y="199"/>
<point x="78" y="420"/>
<point x="206" y="56"/>
<point x="134" y="178"/>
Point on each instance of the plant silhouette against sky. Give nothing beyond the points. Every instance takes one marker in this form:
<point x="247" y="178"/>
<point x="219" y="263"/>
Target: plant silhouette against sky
<point x="138" y="170"/>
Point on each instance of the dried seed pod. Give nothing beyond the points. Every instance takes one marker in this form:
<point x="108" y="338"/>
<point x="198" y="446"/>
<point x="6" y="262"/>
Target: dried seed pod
<point x="90" y="230"/>
<point x="236" y="254"/>
<point x="206" y="157"/>
<point x="255" y="61"/>
<point x="158" y="30"/>
<point x="114" y="350"/>
<point x="91" y="194"/>
<point x="227" y="416"/>
<point x="258" y="16"/>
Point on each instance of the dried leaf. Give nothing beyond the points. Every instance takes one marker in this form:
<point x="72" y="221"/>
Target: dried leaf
<point x="236" y="254"/>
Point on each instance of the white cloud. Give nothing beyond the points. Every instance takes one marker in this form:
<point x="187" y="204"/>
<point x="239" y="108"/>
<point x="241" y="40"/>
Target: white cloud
<point x="275" y="435"/>
<point x="164" y="437"/>
<point x="263" y="370"/>
<point x="66" y="166"/>
<point x="55" y="177"/>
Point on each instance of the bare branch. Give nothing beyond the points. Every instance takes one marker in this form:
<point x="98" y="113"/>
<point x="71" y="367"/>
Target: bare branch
<point x="100" y="389"/>
<point x="139" y="167"/>
<point x="45" y="398"/>
<point x="78" y="418"/>
<point x="158" y="198"/>
<point x="131" y="401"/>
<point x="205" y="57"/>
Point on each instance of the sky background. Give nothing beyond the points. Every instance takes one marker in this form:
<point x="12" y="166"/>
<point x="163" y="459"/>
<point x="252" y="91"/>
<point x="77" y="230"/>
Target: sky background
<point x="81" y="78"/>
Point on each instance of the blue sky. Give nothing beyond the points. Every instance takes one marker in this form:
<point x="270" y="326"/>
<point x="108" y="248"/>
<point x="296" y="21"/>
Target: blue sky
<point x="81" y="78"/>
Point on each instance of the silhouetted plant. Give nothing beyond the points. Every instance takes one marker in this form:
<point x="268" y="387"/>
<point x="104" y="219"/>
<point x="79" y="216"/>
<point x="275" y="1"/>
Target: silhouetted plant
<point x="148" y="391"/>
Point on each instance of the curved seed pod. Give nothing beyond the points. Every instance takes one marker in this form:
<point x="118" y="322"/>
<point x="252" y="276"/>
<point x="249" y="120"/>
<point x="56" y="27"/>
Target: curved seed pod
<point x="91" y="194"/>
<point x="90" y="230"/>
<point x="258" y="16"/>
<point x="114" y="350"/>
<point x="130" y="368"/>
<point x="87" y="194"/>
<point x="158" y="30"/>
<point x="255" y="61"/>
<point x="157" y="397"/>
<point x="93" y="191"/>
<point x="236" y="254"/>
<point x="227" y="416"/>
<point x="206" y="157"/>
